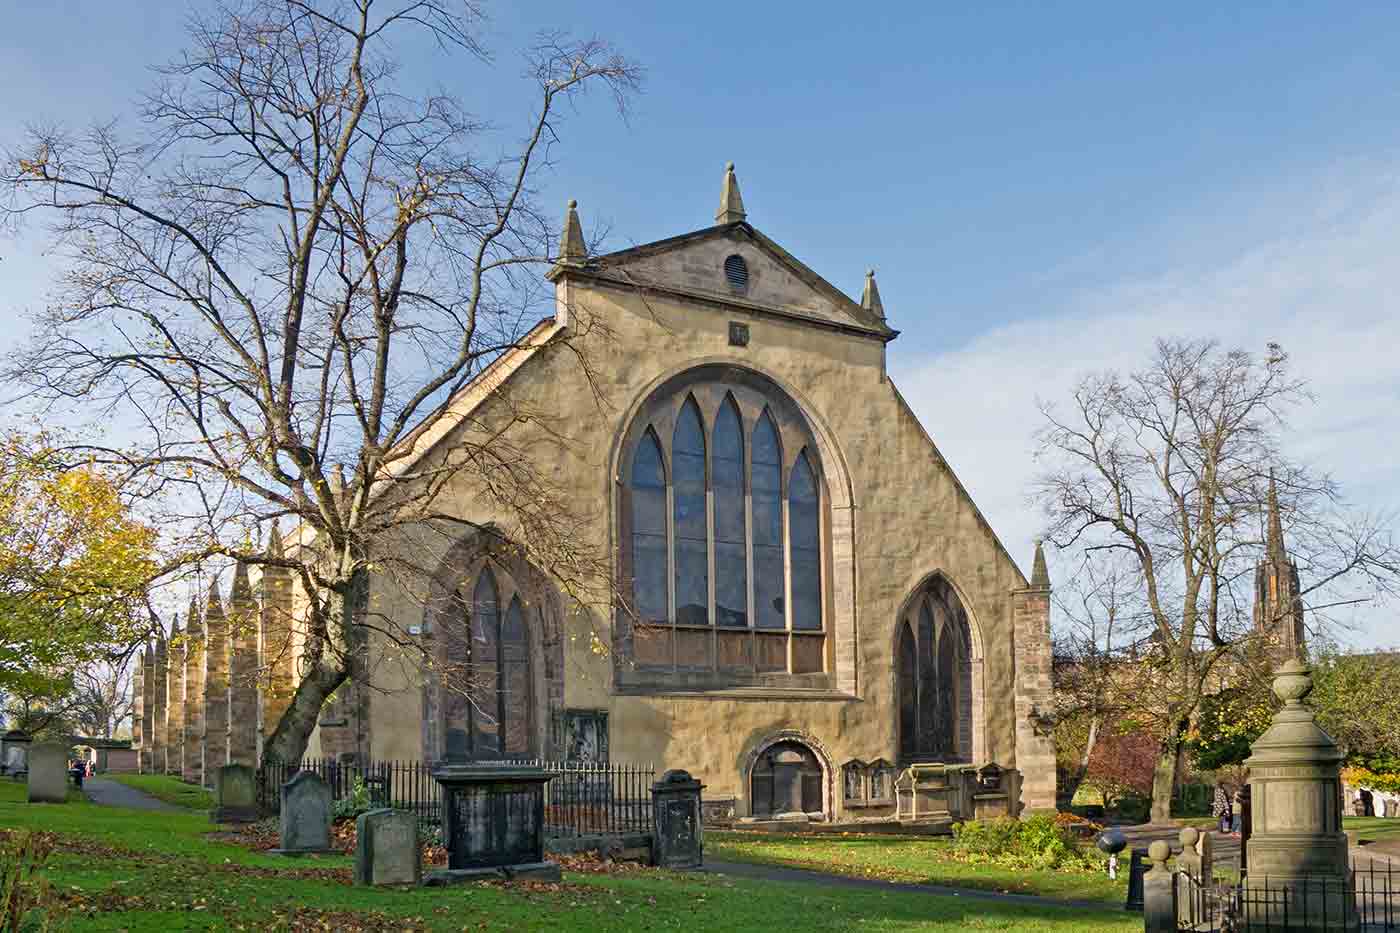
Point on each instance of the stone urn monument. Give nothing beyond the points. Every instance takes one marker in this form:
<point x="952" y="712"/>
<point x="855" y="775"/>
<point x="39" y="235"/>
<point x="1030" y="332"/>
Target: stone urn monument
<point x="1297" y="852"/>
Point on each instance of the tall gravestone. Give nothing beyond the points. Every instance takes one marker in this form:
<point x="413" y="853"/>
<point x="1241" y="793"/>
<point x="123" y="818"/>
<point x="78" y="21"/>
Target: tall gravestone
<point x="48" y="773"/>
<point x="387" y="849"/>
<point x="678" y="839"/>
<point x="1297" y="848"/>
<point x="235" y="795"/>
<point x="306" y="815"/>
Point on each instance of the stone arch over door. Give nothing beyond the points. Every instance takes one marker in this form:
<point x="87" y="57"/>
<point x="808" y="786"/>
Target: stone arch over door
<point x="798" y="758"/>
<point x="525" y="593"/>
<point x="938" y="676"/>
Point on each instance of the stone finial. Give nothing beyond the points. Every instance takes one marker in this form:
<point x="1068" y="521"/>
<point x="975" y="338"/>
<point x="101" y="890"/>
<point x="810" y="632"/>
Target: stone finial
<point x="572" y="251"/>
<point x="274" y="542"/>
<point x="192" y="623"/>
<point x="215" y="608"/>
<point x="242" y="590"/>
<point x="870" y="298"/>
<point x="1040" y="574"/>
<point x="731" y="203"/>
<point x="175" y="630"/>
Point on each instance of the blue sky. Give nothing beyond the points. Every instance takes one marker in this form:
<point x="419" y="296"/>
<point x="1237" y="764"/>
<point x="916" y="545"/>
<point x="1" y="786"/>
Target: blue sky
<point x="1043" y="188"/>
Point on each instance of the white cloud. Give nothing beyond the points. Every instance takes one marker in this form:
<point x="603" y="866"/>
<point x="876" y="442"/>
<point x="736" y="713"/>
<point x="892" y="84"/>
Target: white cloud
<point x="1325" y="283"/>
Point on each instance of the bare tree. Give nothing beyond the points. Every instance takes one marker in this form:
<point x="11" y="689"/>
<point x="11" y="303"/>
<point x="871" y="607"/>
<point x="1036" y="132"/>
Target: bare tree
<point x="1172" y="466"/>
<point x="102" y="697"/>
<point x="286" y="273"/>
<point x="1101" y="635"/>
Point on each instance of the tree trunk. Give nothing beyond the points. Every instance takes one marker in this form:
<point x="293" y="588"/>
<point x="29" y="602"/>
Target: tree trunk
<point x="1164" y="782"/>
<point x="320" y="678"/>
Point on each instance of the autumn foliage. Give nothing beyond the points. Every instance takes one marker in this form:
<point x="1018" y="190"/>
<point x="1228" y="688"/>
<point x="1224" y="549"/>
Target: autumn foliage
<point x="1121" y="764"/>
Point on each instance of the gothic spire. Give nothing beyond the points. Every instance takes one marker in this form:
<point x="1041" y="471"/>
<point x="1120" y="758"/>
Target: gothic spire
<point x="571" y="248"/>
<point x="192" y="616"/>
<point x="274" y="542"/>
<point x="242" y="590"/>
<point x="1276" y="552"/>
<point x="1040" y="574"/>
<point x="870" y="298"/>
<point x="731" y="204"/>
<point x="215" y="609"/>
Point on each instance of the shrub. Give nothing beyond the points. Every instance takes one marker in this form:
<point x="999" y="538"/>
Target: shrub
<point x="1041" y="841"/>
<point x="347" y="808"/>
<point x="24" y="891"/>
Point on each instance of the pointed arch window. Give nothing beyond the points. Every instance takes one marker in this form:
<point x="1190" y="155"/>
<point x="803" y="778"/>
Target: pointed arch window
<point x="724" y="526"/>
<point x="489" y="704"/>
<point x="933" y="656"/>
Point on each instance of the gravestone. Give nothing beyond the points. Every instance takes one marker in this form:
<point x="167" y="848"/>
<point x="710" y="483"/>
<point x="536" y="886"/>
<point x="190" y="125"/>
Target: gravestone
<point x="306" y="815"/>
<point x="387" y="849"/>
<point x="493" y="823"/>
<point x="48" y="773"/>
<point x="677" y="832"/>
<point x="235" y="795"/>
<point x="15" y="757"/>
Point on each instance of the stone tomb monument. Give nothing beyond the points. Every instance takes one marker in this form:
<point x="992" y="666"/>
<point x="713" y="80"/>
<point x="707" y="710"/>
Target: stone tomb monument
<point x="306" y="815"/>
<point x="1297" y="850"/>
<point x="493" y="823"/>
<point x="48" y="773"/>
<point x="235" y="795"/>
<point x="677" y="832"/>
<point x="387" y="849"/>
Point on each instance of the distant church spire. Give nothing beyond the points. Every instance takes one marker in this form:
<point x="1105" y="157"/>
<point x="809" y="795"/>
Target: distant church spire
<point x="731" y="203"/>
<point x="1040" y="573"/>
<point x="870" y="298"/>
<point x="571" y="248"/>
<point x="1278" y="602"/>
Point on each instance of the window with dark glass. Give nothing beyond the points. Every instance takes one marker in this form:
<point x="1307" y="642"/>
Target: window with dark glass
<point x="934" y="679"/>
<point x="724" y="509"/>
<point x="488" y="703"/>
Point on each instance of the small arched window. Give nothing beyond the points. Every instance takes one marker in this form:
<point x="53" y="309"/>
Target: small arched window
<point x="934" y="678"/>
<point x="488" y="709"/>
<point x="723" y="533"/>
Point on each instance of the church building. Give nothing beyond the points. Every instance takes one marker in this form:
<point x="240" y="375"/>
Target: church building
<point x="804" y="600"/>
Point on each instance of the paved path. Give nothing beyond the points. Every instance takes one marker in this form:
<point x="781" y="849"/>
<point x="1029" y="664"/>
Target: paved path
<point x="806" y="876"/>
<point x="111" y="793"/>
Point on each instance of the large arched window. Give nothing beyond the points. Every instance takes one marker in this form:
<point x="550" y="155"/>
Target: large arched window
<point x="487" y="674"/>
<point x="724" y="524"/>
<point x="933" y="670"/>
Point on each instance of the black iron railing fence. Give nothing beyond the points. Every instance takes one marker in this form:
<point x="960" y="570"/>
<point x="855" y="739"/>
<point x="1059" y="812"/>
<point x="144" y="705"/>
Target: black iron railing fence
<point x="584" y="799"/>
<point x="1370" y="899"/>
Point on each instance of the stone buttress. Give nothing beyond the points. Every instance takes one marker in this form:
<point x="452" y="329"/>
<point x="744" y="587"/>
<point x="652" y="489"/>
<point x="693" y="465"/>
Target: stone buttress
<point x="216" y="661"/>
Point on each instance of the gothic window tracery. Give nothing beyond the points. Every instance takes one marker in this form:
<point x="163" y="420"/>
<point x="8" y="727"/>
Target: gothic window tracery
<point x="933" y="668"/>
<point x="487" y="673"/>
<point x="724" y="529"/>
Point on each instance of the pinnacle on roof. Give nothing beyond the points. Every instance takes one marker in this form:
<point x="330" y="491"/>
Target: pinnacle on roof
<point x="274" y="542"/>
<point x="192" y="616"/>
<point x="175" y="627"/>
<point x="731" y="203"/>
<point x="1040" y="574"/>
<point x="242" y="589"/>
<point x="216" y="607"/>
<point x="572" y="250"/>
<point x="870" y="298"/>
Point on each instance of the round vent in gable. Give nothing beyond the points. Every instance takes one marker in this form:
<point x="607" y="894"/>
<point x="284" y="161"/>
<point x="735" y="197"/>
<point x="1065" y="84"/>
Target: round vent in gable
<point x="737" y="272"/>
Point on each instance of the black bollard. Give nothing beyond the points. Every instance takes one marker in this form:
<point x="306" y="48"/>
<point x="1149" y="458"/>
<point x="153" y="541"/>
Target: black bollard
<point x="1137" y="867"/>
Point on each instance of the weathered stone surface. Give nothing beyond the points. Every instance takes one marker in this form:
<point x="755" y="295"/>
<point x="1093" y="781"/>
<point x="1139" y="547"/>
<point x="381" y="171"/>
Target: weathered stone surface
<point x="148" y="710"/>
<point x="678" y="834"/>
<point x="235" y="794"/>
<point x="193" y="767"/>
<point x="306" y="814"/>
<point x="243" y="668"/>
<point x="48" y="772"/>
<point x="387" y="849"/>
<point x="175" y="715"/>
<point x="215" y="686"/>
<point x="160" y="724"/>
<point x="1158" y="891"/>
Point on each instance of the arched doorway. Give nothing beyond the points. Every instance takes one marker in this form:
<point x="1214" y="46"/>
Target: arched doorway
<point x="786" y="782"/>
<point x="937" y="671"/>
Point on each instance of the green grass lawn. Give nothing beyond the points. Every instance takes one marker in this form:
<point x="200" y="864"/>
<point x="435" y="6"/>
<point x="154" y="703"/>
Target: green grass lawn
<point x="926" y="860"/>
<point x="170" y="789"/>
<point x="1373" y="828"/>
<point x="145" y="871"/>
